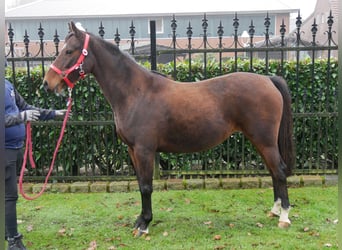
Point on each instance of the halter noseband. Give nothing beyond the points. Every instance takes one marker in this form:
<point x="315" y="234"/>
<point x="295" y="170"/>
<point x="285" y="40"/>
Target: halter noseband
<point x="77" y="65"/>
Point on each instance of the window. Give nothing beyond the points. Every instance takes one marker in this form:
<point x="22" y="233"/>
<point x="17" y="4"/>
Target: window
<point x="159" y="25"/>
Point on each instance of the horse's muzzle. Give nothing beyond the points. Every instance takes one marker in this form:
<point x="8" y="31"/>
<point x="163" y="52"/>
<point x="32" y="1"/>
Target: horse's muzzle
<point x="46" y="86"/>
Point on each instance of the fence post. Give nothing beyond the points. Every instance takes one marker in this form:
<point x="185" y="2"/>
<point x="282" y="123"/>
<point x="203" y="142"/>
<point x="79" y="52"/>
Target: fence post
<point x="153" y="45"/>
<point x="156" y="173"/>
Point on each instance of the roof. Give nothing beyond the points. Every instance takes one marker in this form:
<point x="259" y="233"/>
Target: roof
<point x="96" y="8"/>
<point x="275" y="42"/>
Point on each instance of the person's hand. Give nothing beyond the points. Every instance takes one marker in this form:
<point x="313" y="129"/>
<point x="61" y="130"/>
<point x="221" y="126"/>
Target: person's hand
<point x="30" y="115"/>
<point x="60" y="113"/>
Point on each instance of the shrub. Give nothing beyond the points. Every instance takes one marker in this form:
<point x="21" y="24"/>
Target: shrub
<point x="91" y="140"/>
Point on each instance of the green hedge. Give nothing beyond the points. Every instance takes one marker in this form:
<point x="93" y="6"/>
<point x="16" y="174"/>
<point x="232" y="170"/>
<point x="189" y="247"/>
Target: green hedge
<point x="314" y="104"/>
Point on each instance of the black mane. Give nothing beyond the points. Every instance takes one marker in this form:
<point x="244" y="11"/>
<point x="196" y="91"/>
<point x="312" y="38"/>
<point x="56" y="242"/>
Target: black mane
<point x="108" y="45"/>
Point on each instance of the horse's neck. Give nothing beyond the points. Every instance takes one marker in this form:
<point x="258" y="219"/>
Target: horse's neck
<point x="121" y="80"/>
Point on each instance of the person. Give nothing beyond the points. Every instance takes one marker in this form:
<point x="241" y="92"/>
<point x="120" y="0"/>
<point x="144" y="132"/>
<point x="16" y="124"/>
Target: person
<point x="17" y="112"/>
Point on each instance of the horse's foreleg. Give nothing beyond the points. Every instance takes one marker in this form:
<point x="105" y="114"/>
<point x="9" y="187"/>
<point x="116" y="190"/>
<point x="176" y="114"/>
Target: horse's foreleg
<point x="143" y="165"/>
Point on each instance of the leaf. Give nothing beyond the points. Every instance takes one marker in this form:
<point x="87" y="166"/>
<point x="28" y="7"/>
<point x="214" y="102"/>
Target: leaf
<point x="92" y="245"/>
<point x="29" y="228"/>
<point x="260" y="225"/>
<point x="217" y="237"/>
<point x="314" y="233"/>
<point x="62" y="232"/>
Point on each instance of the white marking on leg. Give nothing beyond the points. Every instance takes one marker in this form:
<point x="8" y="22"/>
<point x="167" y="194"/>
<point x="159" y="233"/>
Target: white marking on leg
<point x="141" y="232"/>
<point x="284" y="215"/>
<point x="276" y="209"/>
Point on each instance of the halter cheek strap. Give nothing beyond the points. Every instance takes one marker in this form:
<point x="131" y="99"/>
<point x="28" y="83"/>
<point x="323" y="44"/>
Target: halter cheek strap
<point x="77" y="65"/>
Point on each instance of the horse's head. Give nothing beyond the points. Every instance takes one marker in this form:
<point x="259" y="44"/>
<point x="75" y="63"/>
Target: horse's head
<point x="69" y="65"/>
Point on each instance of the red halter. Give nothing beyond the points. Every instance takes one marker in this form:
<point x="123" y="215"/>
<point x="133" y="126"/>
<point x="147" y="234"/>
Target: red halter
<point x="77" y="65"/>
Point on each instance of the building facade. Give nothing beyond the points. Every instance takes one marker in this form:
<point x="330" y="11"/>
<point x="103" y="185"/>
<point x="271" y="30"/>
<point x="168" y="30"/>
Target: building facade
<point x="51" y="17"/>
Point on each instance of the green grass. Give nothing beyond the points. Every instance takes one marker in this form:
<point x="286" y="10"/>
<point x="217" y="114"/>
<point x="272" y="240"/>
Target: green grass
<point x="200" y="219"/>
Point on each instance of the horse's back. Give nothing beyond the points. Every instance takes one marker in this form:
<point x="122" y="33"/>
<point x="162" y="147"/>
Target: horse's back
<point x="237" y="93"/>
<point x="230" y="85"/>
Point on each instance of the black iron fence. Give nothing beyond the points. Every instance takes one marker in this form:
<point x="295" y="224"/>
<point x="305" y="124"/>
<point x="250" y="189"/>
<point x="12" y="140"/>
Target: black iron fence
<point x="91" y="149"/>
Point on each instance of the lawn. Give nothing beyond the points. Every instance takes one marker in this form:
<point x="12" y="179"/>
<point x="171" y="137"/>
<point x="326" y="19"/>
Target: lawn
<point x="197" y="219"/>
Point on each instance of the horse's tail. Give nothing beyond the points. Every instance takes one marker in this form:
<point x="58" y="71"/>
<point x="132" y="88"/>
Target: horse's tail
<point x="285" y="138"/>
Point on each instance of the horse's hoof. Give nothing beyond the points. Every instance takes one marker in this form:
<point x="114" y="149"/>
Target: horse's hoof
<point x="272" y="215"/>
<point x="284" y="224"/>
<point x="137" y="232"/>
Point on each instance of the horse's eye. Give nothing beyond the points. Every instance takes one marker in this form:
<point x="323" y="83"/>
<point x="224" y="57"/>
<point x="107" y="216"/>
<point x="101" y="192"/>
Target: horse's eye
<point x="68" y="52"/>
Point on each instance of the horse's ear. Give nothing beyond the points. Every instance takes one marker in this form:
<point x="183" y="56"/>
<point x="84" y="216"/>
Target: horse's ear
<point x="72" y="26"/>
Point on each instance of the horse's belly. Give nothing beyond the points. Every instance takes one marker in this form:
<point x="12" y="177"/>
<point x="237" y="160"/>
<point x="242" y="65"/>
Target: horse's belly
<point x="193" y="140"/>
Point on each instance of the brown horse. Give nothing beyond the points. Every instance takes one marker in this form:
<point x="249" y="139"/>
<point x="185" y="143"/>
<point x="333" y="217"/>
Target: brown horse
<point x="156" y="114"/>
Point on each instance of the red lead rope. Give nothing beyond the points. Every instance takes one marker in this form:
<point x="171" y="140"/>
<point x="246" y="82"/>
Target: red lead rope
<point x="28" y="152"/>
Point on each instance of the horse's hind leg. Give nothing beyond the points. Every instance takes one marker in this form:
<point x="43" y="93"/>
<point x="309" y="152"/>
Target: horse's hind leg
<point x="143" y="165"/>
<point x="277" y="168"/>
